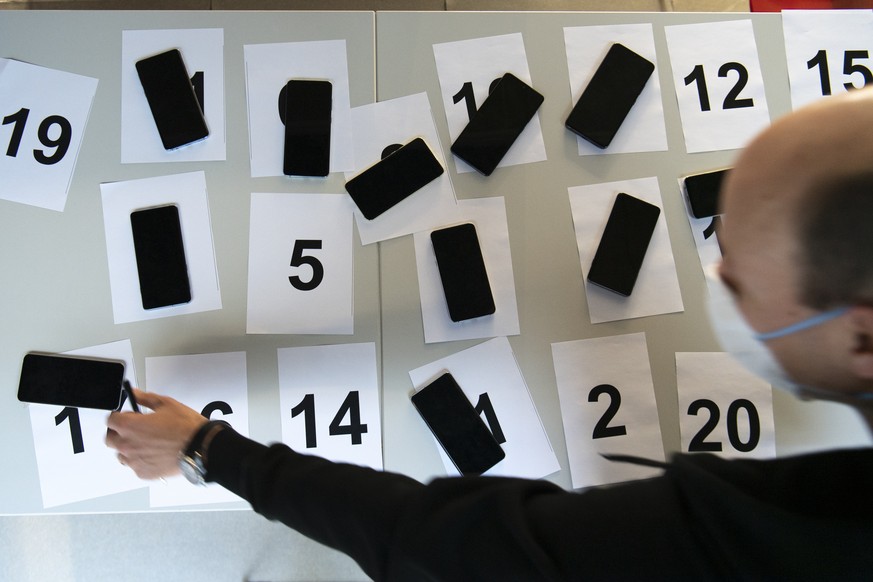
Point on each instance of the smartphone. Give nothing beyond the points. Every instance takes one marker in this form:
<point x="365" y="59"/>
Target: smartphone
<point x="171" y="99"/>
<point x="160" y="256"/>
<point x="462" y="272"/>
<point x="457" y="426"/>
<point x="702" y="192"/>
<point x="624" y="243"/>
<point x="610" y="95"/>
<point x="71" y="381"/>
<point x="497" y="124"/>
<point x="307" y="128"/>
<point x="394" y="178"/>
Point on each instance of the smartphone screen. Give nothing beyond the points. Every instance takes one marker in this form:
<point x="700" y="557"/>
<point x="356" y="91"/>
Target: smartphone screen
<point x="307" y="128"/>
<point x="457" y="426"/>
<point x="462" y="272"/>
<point x="610" y="95"/>
<point x="171" y="98"/>
<point x="71" y="381"/>
<point x="702" y="192"/>
<point x="160" y="257"/>
<point x="394" y="178"/>
<point x="624" y="243"/>
<point x="497" y="124"/>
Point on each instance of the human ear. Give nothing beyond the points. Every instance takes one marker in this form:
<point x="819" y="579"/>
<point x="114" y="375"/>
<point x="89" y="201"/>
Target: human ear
<point x="862" y="354"/>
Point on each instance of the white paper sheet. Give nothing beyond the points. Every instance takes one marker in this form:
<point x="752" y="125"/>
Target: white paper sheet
<point x="490" y="369"/>
<point x="202" y="51"/>
<point x="607" y="383"/>
<point x="329" y="399"/>
<point x="268" y="68"/>
<point x="399" y="121"/>
<point x="188" y="192"/>
<point x="643" y="129"/>
<point x="489" y="217"/>
<point x="301" y="266"/>
<point x="215" y="384"/>
<point x="657" y="288"/>
<point x="480" y="61"/>
<point x="826" y="50"/>
<point x="705" y="233"/>
<point x="714" y="388"/>
<point x="37" y="125"/>
<point x="66" y="476"/>
<point x="718" y="82"/>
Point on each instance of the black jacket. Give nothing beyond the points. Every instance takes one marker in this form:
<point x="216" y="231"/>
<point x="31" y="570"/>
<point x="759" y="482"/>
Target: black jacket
<point x="800" y="518"/>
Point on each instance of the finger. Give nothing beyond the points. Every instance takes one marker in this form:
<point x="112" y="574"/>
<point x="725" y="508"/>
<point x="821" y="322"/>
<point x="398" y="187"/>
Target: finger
<point x="148" y="399"/>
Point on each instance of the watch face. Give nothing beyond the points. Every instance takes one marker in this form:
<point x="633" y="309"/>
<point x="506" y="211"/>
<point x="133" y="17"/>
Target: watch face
<point x="192" y="469"/>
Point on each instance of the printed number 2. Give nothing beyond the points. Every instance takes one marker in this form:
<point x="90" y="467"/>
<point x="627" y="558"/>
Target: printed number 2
<point x="61" y="143"/>
<point x="298" y="259"/>
<point x="699" y="443"/>
<point x="731" y="100"/>
<point x="350" y="407"/>
<point x="602" y="429"/>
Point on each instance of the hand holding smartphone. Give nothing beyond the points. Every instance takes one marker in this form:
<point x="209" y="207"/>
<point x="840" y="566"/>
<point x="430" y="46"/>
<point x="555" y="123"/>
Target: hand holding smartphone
<point x="457" y="426"/>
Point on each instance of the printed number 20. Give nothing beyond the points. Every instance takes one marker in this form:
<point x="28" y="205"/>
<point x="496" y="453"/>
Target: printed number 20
<point x="700" y="444"/>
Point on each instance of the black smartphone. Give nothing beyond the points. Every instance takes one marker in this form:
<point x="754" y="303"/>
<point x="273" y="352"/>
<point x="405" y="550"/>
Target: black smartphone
<point x="394" y="178"/>
<point x="171" y="98"/>
<point x="457" y="426"/>
<point x="71" y="381"/>
<point x="462" y="272"/>
<point x="702" y="192"/>
<point x="610" y="95"/>
<point x="160" y="256"/>
<point x="307" y="127"/>
<point x="624" y="243"/>
<point x="497" y="124"/>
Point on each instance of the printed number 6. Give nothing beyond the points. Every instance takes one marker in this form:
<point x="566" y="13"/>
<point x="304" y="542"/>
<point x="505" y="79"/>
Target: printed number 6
<point x="298" y="259"/>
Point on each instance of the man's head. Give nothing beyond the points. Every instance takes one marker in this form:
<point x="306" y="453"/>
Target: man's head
<point x="798" y="240"/>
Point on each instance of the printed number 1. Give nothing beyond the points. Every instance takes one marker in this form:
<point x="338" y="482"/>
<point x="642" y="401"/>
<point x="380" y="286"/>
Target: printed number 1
<point x="72" y="414"/>
<point x="469" y="98"/>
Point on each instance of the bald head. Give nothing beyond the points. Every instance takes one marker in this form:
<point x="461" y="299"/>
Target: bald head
<point x="808" y="179"/>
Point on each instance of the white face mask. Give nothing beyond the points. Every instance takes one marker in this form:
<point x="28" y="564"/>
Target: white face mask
<point x="747" y="346"/>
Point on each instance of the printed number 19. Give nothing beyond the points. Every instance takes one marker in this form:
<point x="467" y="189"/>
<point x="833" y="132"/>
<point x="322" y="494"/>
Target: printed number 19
<point x="61" y="143"/>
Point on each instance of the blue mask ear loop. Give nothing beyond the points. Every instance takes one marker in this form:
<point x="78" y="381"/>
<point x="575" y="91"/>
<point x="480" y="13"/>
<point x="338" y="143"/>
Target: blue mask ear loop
<point x="802" y="325"/>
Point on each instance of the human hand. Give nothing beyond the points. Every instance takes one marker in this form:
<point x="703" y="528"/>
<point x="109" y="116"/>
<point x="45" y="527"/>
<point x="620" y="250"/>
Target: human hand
<point x="150" y="443"/>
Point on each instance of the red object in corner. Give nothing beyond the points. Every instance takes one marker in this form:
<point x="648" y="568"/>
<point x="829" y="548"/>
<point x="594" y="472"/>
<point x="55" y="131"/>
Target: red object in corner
<point x="779" y="5"/>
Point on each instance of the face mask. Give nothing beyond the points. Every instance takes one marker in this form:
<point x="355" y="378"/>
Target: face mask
<point x="747" y="346"/>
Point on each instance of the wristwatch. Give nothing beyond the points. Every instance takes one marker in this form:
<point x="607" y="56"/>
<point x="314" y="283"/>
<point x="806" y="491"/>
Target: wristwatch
<point x="192" y="461"/>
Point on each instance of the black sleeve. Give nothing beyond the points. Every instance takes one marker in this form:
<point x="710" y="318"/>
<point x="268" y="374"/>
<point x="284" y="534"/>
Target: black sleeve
<point x="470" y="528"/>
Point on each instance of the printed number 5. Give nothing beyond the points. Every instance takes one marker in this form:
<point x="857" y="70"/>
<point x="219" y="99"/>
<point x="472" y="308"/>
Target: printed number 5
<point x="298" y="259"/>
